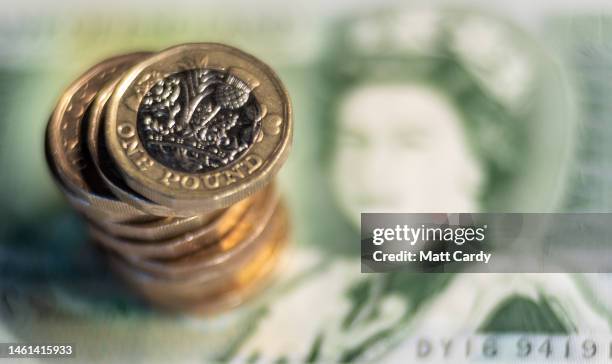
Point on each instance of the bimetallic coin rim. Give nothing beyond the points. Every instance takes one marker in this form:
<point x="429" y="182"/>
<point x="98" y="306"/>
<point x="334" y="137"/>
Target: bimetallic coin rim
<point x="216" y="302"/>
<point x="159" y="229"/>
<point x="57" y="155"/>
<point x="97" y="212"/>
<point x="130" y="197"/>
<point x="173" y="195"/>
<point x="273" y="240"/>
<point x="179" y="245"/>
<point x="211" y="256"/>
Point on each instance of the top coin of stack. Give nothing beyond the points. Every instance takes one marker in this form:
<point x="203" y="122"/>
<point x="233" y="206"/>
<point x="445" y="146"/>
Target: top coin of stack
<point x="170" y="157"/>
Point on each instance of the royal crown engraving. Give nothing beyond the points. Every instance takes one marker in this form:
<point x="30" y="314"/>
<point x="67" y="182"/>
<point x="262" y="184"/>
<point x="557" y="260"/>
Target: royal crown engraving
<point x="199" y="120"/>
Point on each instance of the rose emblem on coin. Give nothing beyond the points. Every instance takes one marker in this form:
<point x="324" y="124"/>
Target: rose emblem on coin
<point x="198" y="120"/>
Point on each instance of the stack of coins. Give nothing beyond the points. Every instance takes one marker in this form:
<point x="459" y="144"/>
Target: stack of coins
<point x="170" y="157"/>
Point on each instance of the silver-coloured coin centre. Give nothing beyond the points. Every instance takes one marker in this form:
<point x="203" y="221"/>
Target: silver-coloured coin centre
<point x="198" y="120"/>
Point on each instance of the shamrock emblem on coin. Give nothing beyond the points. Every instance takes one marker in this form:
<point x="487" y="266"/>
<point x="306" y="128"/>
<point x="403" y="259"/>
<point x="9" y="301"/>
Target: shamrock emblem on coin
<point x="198" y="120"/>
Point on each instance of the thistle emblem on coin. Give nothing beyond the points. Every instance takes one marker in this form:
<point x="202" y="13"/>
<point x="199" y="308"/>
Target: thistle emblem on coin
<point x="198" y="120"/>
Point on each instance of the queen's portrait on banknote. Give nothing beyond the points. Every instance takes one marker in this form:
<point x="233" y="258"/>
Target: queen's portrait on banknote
<point x="502" y="107"/>
<point x="427" y="111"/>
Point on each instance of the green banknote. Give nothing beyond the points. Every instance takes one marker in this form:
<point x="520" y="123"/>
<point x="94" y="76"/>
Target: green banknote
<point x="396" y="110"/>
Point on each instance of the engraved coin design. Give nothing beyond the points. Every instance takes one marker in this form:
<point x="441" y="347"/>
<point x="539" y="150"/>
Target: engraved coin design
<point x="170" y="157"/>
<point x="105" y="167"/>
<point x="198" y="120"/>
<point x="199" y="126"/>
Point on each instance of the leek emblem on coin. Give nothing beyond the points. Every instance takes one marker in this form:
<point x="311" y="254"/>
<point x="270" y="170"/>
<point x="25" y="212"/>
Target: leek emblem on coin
<point x="199" y="126"/>
<point x="198" y="120"/>
<point x="181" y="148"/>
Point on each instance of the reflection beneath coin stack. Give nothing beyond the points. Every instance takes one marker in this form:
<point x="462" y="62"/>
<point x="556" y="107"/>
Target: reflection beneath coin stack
<point x="170" y="157"/>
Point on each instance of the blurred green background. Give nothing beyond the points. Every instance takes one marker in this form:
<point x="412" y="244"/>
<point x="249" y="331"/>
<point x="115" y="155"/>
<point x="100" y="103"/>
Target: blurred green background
<point x="454" y="106"/>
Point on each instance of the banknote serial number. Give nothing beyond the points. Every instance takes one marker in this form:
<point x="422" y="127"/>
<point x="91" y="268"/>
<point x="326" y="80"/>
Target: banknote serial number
<point x="531" y="348"/>
<point x="16" y="350"/>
